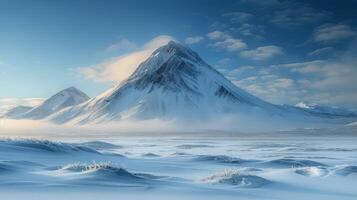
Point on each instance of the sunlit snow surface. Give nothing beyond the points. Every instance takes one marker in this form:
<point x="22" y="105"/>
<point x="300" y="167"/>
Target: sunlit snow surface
<point x="258" y="166"/>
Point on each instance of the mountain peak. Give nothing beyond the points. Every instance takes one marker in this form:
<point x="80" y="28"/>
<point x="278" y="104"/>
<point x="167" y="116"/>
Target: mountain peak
<point x="68" y="97"/>
<point x="167" y="64"/>
<point x="173" y="48"/>
<point x="73" y="90"/>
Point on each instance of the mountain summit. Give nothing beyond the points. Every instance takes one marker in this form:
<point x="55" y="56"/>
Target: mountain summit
<point x="65" y="98"/>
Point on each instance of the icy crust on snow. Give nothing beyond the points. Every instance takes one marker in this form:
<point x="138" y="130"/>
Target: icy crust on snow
<point x="346" y="170"/>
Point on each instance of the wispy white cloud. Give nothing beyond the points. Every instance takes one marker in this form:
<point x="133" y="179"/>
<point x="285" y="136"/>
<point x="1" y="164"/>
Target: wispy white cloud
<point x="332" y="33"/>
<point x="240" y="70"/>
<point x="224" y="61"/>
<point x="122" y="44"/>
<point x="321" y="51"/>
<point x="249" y="29"/>
<point x="327" y="82"/>
<point x="194" y="39"/>
<point x="226" y="41"/>
<point x="121" y="67"/>
<point x="303" y="67"/>
<point x="262" y="53"/>
<point x="319" y="81"/>
<point x="270" y="87"/>
<point x="215" y="35"/>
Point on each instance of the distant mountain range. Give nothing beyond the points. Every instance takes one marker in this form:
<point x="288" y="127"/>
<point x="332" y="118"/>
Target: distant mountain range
<point x="63" y="99"/>
<point x="173" y="83"/>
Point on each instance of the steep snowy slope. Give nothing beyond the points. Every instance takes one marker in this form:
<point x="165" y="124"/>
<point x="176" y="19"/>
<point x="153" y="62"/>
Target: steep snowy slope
<point x="174" y="83"/>
<point x="65" y="98"/>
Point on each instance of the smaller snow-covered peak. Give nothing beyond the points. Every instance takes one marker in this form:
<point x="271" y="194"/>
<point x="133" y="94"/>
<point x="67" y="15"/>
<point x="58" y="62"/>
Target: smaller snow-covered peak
<point x="73" y="91"/>
<point x="17" y="111"/>
<point x="326" y="110"/>
<point x="68" y="97"/>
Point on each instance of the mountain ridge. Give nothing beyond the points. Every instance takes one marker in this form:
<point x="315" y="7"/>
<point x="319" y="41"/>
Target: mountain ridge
<point x="174" y="83"/>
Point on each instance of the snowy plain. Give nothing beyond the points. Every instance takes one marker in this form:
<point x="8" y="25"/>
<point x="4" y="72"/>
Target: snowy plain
<point x="62" y="164"/>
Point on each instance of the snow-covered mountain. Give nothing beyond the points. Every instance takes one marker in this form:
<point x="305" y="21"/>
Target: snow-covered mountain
<point x="173" y="83"/>
<point x="326" y="110"/>
<point x="65" y="98"/>
<point x="17" y="111"/>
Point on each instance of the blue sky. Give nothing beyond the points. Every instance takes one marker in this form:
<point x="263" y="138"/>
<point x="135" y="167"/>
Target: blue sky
<point x="282" y="51"/>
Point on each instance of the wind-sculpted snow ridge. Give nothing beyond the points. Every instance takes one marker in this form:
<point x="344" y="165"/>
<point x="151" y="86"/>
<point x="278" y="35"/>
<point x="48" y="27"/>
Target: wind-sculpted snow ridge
<point x="99" y="145"/>
<point x="6" y="168"/>
<point x="9" y="166"/>
<point x="288" y="162"/>
<point x="151" y="155"/>
<point x="42" y="146"/>
<point x="237" y="179"/>
<point x="219" y="159"/>
<point x="191" y="146"/>
<point x="346" y="170"/>
<point x="101" y="172"/>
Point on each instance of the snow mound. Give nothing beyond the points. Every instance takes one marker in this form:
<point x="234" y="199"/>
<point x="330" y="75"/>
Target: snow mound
<point x="180" y="154"/>
<point x="346" y="170"/>
<point x="42" y="146"/>
<point x="99" y="145"/>
<point x="287" y="162"/>
<point x="102" y="171"/>
<point x="312" y="171"/>
<point x="191" y="146"/>
<point x="150" y="155"/>
<point x="219" y="159"/>
<point x="236" y="178"/>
